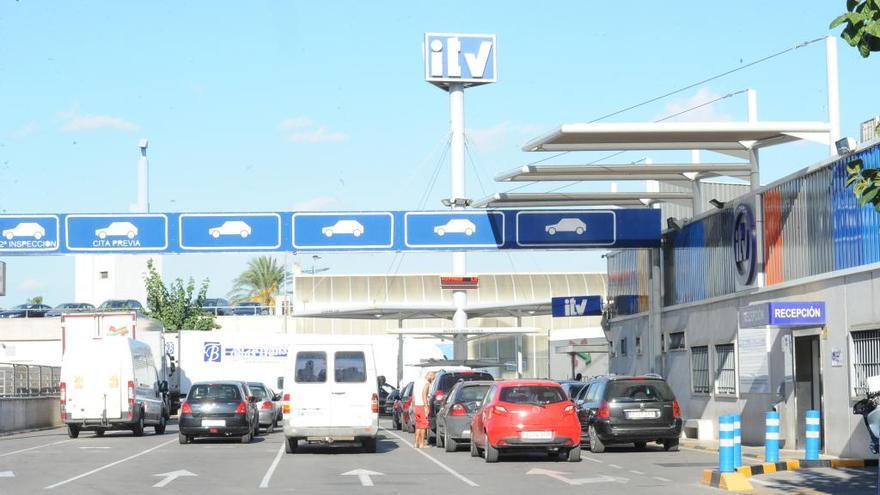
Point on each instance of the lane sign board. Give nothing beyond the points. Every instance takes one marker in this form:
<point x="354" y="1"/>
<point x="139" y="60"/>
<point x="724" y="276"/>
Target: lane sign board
<point x="576" y="306"/>
<point x="373" y="230"/>
<point x="222" y="231"/>
<point x="117" y="233"/>
<point x="454" y="229"/>
<point x="575" y="228"/>
<point x="34" y="233"/>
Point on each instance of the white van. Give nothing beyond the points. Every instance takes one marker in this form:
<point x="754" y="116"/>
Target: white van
<point x="330" y="395"/>
<point x="112" y="384"/>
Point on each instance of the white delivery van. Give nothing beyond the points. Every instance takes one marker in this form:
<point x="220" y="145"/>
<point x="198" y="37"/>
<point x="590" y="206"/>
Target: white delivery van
<point x="330" y="395"/>
<point x="112" y="384"/>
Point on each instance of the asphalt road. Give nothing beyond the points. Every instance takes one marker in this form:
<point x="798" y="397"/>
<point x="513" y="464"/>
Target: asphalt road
<point x="119" y="463"/>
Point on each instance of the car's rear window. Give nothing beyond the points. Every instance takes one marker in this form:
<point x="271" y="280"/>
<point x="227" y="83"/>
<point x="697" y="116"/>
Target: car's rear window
<point x="533" y="394"/>
<point x="311" y="367"/>
<point x="350" y="367"/>
<point x="638" y="391"/>
<point x="575" y="388"/>
<point x="472" y="394"/>
<point x="447" y="381"/>
<point x="213" y="392"/>
<point x="259" y="392"/>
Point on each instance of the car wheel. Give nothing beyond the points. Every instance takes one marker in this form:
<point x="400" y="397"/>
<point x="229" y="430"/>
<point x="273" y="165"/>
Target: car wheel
<point x="490" y="452"/>
<point x="99" y="433"/>
<point x="130" y="235"/>
<point x="160" y="428"/>
<point x="469" y="232"/>
<point x="290" y="445"/>
<point x="475" y="451"/>
<point x="271" y="427"/>
<point x="596" y="445"/>
<point x="441" y="232"/>
<point x="357" y="233"/>
<point x="370" y="444"/>
<point x="551" y="231"/>
<point x="38" y="236"/>
<point x="395" y="423"/>
<point x="574" y="454"/>
<point x="439" y="439"/>
<point x="138" y="428"/>
<point x="449" y="444"/>
<point x="246" y="438"/>
<point x="244" y="233"/>
<point x="328" y="233"/>
<point x="670" y="445"/>
<point x="102" y="235"/>
<point x="9" y="237"/>
<point x="183" y="439"/>
<point x="579" y="230"/>
<point x="215" y="234"/>
<point x="72" y="431"/>
<point x="640" y="445"/>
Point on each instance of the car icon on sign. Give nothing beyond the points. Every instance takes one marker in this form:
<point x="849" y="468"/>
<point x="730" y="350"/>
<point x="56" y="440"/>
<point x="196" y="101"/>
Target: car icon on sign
<point x="456" y="226"/>
<point x="575" y="225"/>
<point x="118" y="229"/>
<point x="352" y="227"/>
<point x="231" y="227"/>
<point x="25" y="229"/>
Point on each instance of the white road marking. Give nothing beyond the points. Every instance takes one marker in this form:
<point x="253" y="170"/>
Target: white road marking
<point x="363" y="476"/>
<point x="435" y="461"/>
<point x="94" y="448"/>
<point x="7" y="474"/>
<point x="661" y="479"/>
<point x="271" y="470"/>
<point x="171" y="476"/>
<point x="93" y="471"/>
<point x="588" y="458"/>
<point x="34" y="448"/>
<point x="633" y="471"/>
<point x="560" y="475"/>
<point x="615" y="466"/>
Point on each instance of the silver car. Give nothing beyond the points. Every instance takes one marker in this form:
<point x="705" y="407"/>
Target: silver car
<point x="454" y="417"/>
<point x="268" y="404"/>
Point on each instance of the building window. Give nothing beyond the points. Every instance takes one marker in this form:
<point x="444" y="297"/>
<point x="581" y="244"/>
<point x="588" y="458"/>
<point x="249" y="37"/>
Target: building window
<point x="639" y="346"/>
<point x="676" y="341"/>
<point x="865" y="359"/>
<point x="700" y="369"/>
<point x="611" y="348"/>
<point x="623" y="346"/>
<point x="105" y="274"/>
<point x="725" y="369"/>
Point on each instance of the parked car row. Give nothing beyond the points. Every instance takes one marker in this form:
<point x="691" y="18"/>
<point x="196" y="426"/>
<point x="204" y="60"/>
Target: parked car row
<point x="228" y="409"/>
<point x="221" y="307"/>
<point x="30" y="310"/>
<point x="496" y="417"/>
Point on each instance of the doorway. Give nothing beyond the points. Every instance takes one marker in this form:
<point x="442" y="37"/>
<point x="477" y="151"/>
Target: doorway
<point x="808" y="382"/>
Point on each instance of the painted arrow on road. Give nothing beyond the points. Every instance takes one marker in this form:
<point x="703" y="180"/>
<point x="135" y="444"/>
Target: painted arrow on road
<point x="7" y="474"/>
<point x="173" y="475"/>
<point x="363" y="475"/>
<point x="559" y="475"/>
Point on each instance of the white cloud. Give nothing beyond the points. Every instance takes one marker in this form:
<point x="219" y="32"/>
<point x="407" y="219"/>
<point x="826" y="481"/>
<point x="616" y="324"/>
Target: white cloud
<point x="707" y="113"/>
<point x="315" y="204"/>
<point x="31" y="284"/>
<point x="96" y="122"/>
<point x="499" y="135"/>
<point x="303" y="130"/>
<point x="24" y="131"/>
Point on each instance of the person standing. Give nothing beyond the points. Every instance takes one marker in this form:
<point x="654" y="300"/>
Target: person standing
<point x="420" y="410"/>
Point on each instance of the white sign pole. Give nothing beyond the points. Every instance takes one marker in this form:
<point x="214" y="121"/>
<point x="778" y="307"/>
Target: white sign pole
<point x="459" y="258"/>
<point x="2" y="278"/>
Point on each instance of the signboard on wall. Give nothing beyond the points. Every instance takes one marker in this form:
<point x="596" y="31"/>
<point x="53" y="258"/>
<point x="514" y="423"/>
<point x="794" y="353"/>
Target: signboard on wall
<point x="754" y="345"/>
<point x="783" y="314"/>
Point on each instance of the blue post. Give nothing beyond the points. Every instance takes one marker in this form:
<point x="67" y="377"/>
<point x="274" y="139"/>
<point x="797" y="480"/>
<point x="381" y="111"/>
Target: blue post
<point x="771" y="438"/>
<point x="813" y="430"/>
<point x="725" y="444"/>
<point x="737" y="441"/>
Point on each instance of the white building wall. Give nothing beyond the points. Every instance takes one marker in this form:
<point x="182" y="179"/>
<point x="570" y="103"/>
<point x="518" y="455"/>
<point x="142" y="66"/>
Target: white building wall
<point x="101" y="277"/>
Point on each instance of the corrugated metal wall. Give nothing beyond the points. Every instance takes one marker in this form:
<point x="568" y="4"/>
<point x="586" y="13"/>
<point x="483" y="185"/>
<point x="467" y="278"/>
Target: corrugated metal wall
<point x="628" y="283"/>
<point x="722" y="191"/>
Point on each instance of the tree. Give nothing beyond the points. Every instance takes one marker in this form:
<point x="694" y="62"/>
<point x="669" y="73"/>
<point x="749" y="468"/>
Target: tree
<point x="35" y="300"/>
<point x="176" y="305"/>
<point x="865" y="183"/>
<point x="261" y="282"/>
<point x="862" y="25"/>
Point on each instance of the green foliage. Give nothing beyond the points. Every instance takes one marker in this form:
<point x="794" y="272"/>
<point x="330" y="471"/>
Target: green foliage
<point x="865" y="183"/>
<point x="177" y="306"/>
<point x="862" y="29"/>
<point x="261" y="281"/>
<point x="35" y="300"/>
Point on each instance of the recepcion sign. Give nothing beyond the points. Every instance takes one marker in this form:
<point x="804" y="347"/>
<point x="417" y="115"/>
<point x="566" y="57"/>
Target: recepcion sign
<point x="783" y="314"/>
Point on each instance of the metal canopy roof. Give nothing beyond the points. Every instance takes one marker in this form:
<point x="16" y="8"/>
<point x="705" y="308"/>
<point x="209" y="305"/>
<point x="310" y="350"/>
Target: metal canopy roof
<point x="672" y="171"/>
<point x="603" y="199"/>
<point x="717" y="136"/>
<point x="440" y="311"/>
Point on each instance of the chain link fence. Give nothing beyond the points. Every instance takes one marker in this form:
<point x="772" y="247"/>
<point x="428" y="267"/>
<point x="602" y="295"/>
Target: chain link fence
<point x="29" y="380"/>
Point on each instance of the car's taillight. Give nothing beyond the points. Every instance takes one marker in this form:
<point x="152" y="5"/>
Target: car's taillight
<point x="286" y="397"/>
<point x="438" y="396"/>
<point x="267" y="404"/>
<point x="63" y="400"/>
<point x="569" y="409"/>
<point x="374" y="403"/>
<point x="242" y="408"/>
<point x="676" y="409"/>
<point x="285" y="408"/>
<point x="458" y="410"/>
<point x="185" y="408"/>
<point x="499" y="410"/>
<point x="604" y="411"/>
<point x="130" y="399"/>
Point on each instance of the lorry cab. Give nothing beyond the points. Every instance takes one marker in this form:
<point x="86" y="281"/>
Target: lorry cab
<point x="330" y="394"/>
<point x="112" y="384"/>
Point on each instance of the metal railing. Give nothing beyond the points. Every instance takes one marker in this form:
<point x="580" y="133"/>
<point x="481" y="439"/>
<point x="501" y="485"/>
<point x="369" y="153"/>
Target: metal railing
<point x="239" y="310"/>
<point x="29" y="380"/>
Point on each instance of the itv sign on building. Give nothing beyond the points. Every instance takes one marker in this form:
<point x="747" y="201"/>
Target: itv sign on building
<point x="460" y="58"/>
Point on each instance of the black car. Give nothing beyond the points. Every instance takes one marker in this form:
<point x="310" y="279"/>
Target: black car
<point x="627" y="409"/>
<point x="121" y="305"/>
<point x="572" y="387"/>
<point x="454" y="418"/>
<point x="217" y="306"/>
<point x="26" y="311"/>
<point x="70" y="308"/>
<point x="442" y="385"/>
<point x="387" y="394"/>
<point x="250" y="308"/>
<point x="219" y="409"/>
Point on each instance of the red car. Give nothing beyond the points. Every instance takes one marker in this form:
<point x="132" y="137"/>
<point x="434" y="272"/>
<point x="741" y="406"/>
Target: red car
<point x="521" y="415"/>
<point x="401" y="413"/>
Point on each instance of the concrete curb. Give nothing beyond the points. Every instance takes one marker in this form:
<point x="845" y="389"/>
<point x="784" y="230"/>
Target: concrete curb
<point x="738" y="480"/>
<point x="33" y="430"/>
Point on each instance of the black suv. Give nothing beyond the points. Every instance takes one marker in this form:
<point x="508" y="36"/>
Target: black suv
<point x="628" y="409"/>
<point x="441" y="386"/>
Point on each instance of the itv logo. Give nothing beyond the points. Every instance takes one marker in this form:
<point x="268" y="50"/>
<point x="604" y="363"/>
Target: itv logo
<point x="576" y="306"/>
<point x="464" y="58"/>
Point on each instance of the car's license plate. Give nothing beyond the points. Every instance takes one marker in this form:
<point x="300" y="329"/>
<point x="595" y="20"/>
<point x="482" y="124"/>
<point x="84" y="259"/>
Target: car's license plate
<point x="207" y="423"/>
<point x="466" y="433"/>
<point x="652" y="414"/>
<point x="536" y="435"/>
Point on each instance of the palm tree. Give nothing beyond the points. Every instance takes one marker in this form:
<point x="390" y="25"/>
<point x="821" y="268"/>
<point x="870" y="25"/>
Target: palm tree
<point x="261" y="282"/>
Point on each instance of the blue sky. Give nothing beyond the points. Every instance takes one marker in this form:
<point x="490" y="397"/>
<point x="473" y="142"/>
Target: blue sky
<point x="322" y="105"/>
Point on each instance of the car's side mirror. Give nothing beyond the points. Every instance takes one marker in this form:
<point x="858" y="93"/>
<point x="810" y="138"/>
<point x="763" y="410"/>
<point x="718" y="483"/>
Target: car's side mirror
<point x="280" y="383"/>
<point x="163" y="386"/>
<point x="252" y="398"/>
<point x="579" y="403"/>
<point x="276" y="397"/>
